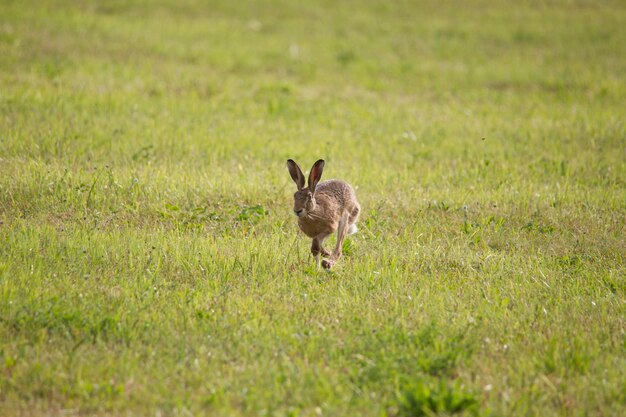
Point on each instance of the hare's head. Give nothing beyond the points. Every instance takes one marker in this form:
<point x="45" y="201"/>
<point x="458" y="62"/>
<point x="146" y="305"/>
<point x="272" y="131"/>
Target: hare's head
<point x="304" y="198"/>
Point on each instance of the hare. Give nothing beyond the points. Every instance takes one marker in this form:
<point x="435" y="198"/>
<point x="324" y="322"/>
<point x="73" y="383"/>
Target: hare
<point x="323" y="208"/>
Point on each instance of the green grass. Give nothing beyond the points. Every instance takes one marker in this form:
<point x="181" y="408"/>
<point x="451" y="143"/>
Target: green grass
<point x="150" y="263"/>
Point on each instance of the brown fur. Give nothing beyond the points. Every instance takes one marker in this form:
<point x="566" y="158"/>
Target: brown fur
<point x="323" y="208"/>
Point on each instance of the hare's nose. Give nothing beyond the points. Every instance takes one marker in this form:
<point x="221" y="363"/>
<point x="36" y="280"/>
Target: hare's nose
<point x="299" y="212"/>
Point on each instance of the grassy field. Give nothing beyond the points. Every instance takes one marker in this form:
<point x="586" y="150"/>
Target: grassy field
<point x="150" y="264"/>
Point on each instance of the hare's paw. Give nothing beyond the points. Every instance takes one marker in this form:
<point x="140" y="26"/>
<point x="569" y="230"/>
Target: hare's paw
<point x="326" y="264"/>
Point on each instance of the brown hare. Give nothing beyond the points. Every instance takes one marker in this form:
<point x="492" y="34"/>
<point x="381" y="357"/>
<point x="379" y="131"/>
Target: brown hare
<point x="323" y="208"/>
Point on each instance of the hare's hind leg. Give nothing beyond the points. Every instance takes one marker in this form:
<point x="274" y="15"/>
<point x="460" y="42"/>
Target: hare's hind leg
<point x="342" y="231"/>
<point x="354" y="216"/>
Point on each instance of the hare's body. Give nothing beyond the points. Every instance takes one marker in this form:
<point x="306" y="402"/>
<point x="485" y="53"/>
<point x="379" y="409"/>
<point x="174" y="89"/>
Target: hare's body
<point x="333" y="198"/>
<point x="324" y="208"/>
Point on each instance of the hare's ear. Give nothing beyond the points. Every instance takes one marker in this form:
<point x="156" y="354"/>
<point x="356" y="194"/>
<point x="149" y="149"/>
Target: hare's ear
<point x="296" y="173"/>
<point x="316" y="174"/>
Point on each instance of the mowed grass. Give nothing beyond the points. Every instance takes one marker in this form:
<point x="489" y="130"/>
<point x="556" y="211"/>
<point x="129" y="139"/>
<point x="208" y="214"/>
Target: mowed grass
<point x="150" y="263"/>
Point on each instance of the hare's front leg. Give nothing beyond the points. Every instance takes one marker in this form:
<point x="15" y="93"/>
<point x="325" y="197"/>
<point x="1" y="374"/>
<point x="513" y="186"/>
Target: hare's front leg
<point x="317" y="249"/>
<point x="323" y="251"/>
